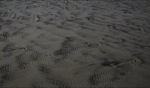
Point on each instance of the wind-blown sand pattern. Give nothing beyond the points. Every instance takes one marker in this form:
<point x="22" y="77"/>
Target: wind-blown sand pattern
<point x="74" y="43"/>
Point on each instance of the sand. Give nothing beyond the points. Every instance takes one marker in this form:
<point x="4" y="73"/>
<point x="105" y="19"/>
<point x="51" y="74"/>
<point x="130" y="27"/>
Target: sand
<point x="74" y="43"/>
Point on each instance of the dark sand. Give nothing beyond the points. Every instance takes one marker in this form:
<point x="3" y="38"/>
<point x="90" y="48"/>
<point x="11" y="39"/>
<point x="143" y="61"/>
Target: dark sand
<point x="74" y="43"/>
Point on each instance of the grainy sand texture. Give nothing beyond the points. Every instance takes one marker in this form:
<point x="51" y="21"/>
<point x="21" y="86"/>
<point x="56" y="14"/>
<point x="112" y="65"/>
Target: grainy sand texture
<point x="74" y="43"/>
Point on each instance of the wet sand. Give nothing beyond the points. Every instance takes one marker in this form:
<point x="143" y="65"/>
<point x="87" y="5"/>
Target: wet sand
<point x="74" y="43"/>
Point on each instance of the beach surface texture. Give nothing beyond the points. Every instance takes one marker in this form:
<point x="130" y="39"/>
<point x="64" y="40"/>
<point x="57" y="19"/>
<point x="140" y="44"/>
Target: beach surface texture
<point x="74" y="43"/>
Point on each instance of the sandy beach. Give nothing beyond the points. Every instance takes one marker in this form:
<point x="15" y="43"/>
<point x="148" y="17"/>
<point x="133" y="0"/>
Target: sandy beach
<point x="74" y="43"/>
